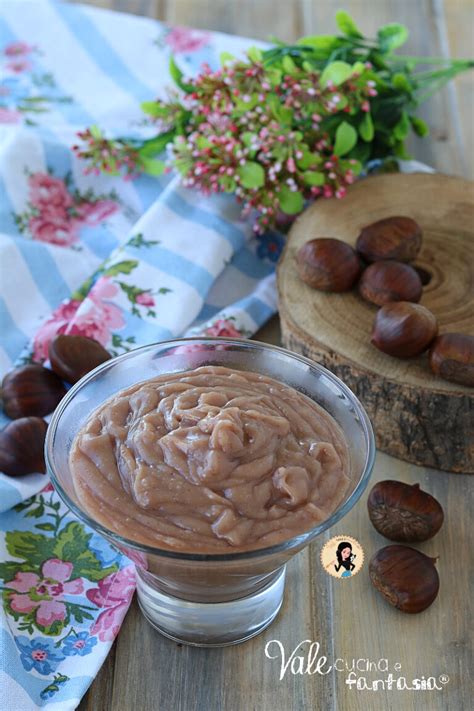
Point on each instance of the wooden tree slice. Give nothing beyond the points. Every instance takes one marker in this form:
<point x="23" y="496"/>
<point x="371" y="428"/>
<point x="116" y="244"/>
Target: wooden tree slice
<point x="417" y="416"/>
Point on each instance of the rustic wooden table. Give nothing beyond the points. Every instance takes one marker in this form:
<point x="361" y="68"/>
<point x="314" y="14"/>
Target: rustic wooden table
<point x="146" y="671"/>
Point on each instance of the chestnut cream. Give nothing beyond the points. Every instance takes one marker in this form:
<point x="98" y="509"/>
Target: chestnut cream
<point x="212" y="460"/>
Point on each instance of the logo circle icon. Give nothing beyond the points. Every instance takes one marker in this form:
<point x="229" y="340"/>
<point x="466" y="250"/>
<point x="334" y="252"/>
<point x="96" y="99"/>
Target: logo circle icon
<point x="342" y="557"/>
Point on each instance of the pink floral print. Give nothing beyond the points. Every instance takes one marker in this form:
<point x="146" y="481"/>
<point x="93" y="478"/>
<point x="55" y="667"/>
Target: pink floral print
<point x="57" y="323"/>
<point x="15" y="49"/>
<point x="9" y="115"/>
<point x="113" y="594"/>
<point x="97" y="316"/>
<point x="185" y="39"/>
<point x="27" y="92"/>
<point x="56" y="214"/>
<point x="44" y="594"/>
<point x="223" y="328"/>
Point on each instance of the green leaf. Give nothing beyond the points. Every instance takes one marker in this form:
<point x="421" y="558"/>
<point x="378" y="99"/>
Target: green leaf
<point x="10" y="569"/>
<point x="290" y="202"/>
<point x="156" y="145"/>
<point x="45" y="526"/>
<point x="255" y="54"/>
<point x="177" y="77"/>
<point x="289" y="67"/>
<point x="95" y="131"/>
<point x="152" y="166"/>
<point x="35" y="513"/>
<point x="336" y="72"/>
<point x="347" y="25"/>
<point x="312" y="177"/>
<point x="308" y="159"/>
<point x="401" y="83"/>
<point x="125" y="267"/>
<point x="402" y="128"/>
<point x="251" y="175"/>
<point x="324" y="44"/>
<point x="346" y="138"/>
<point x="225" y="57"/>
<point x="72" y="545"/>
<point x="392" y="36"/>
<point x="285" y="115"/>
<point x="155" y="109"/>
<point x="400" y="151"/>
<point x="34" y="548"/>
<point x="366" y="128"/>
<point x="419" y="126"/>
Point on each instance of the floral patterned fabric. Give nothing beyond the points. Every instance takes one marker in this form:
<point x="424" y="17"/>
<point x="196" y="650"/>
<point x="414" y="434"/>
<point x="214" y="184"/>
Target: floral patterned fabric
<point x="125" y="262"/>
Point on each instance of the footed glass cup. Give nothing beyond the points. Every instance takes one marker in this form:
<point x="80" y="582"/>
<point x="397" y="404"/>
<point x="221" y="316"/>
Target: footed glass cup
<point x="210" y="599"/>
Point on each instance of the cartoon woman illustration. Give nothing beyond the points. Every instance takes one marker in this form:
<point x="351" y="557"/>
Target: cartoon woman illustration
<point x="344" y="559"/>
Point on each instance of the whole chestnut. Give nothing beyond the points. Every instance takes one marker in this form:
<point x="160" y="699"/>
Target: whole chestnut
<point x="72" y="357"/>
<point x="396" y="237"/>
<point x="406" y="578"/>
<point x="22" y="446"/>
<point x="403" y="329"/>
<point x="452" y="358"/>
<point x="31" y="390"/>
<point x="404" y="513"/>
<point x="328" y="264"/>
<point x="387" y="280"/>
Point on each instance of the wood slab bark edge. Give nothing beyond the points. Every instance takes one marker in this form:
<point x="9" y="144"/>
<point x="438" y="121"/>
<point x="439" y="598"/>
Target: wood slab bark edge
<point x="426" y="425"/>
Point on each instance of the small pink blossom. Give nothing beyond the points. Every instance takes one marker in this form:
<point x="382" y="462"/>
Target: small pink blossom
<point x="96" y="317"/>
<point x="58" y="322"/>
<point x="54" y="228"/>
<point x="114" y="593"/>
<point x="45" y="594"/>
<point x="223" y="328"/>
<point x="9" y="115"/>
<point x="145" y="299"/>
<point x="46" y="191"/>
<point x="94" y="213"/>
<point x="185" y="39"/>
<point x="19" y="65"/>
<point x="14" y="49"/>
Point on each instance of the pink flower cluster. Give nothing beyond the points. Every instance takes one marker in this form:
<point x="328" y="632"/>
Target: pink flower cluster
<point x="223" y="328"/>
<point x="95" y="317"/>
<point x="186" y="39"/>
<point x="18" y="52"/>
<point x="56" y="215"/>
<point x="224" y="137"/>
<point x="113" y="594"/>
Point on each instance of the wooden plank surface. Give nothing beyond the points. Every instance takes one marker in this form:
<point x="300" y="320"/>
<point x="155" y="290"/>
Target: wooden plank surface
<point x="147" y="672"/>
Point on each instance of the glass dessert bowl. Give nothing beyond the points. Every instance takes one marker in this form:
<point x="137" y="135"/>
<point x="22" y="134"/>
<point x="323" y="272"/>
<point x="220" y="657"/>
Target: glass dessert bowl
<point x="210" y="599"/>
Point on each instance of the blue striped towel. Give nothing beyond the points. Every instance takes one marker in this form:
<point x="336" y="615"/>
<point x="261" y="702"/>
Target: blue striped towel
<point x="127" y="263"/>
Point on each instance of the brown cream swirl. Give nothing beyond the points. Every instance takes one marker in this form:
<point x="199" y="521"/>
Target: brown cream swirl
<point x="210" y="460"/>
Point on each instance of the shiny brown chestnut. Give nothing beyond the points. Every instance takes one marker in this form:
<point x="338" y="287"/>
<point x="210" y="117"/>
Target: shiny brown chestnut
<point x="22" y="446"/>
<point x="406" y="578"/>
<point x="31" y="390"/>
<point x="388" y="280"/>
<point x="328" y="264"/>
<point x="396" y="237"/>
<point x="403" y="512"/>
<point x="72" y="357"/>
<point x="452" y="358"/>
<point x="403" y="329"/>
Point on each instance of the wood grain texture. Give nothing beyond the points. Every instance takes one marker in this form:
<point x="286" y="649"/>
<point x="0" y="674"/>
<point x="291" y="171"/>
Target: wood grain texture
<point x="145" y="671"/>
<point x="416" y="416"/>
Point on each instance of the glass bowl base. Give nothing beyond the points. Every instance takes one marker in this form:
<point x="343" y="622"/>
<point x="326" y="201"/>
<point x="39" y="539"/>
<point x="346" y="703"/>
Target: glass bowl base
<point x="213" y="624"/>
